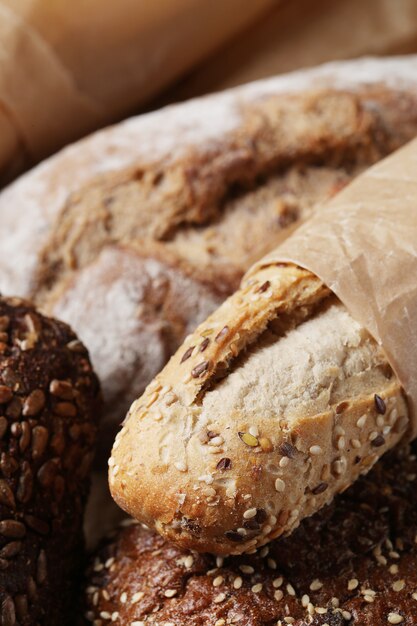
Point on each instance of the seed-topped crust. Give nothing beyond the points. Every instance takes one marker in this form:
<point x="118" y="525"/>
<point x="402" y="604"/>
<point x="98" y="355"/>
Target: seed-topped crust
<point x="353" y="563"/>
<point x="45" y="456"/>
<point x="293" y="441"/>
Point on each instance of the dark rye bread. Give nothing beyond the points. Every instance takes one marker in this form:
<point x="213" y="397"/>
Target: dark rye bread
<point x="48" y="404"/>
<point x="353" y="563"/>
<point x="136" y="234"/>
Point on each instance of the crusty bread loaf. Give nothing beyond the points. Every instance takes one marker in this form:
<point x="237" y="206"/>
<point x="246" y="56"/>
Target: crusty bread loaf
<point x="143" y="229"/>
<point x="352" y="564"/>
<point x="104" y="233"/>
<point x="48" y="398"/>
<point x="277" y="402"/>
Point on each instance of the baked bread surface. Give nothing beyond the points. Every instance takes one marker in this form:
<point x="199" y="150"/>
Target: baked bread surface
<point x="48" y="423"/>
<point x="277" y="402"/>
<point x="352" y="564"/>
<point x="184" y="200"/>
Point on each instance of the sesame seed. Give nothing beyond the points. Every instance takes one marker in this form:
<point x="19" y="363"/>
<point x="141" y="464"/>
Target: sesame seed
<point x="247" y="569"/>
<point x="188" y="561"/>
<point x="373" y="435"/>
<point x="414" y="596"/>
<point x="272" y="564"/>
<point x="316" y="585"/>
<point x="218" y="581"/>
<point x="361" y="421"/>
<point x="140" y="623"/>
<point x="257" y="588"/>
<point x="290" y="590"/>
<point x="284" y="461"/>
<point x="341" y="442"/>
<point x="305" y="600"/>
<point x="220" y="622"/>
<point x="219" y="561"/>
<point x="355" y="443"/>
<point x="369" y="599"/>
<point x="278" y="595"/>
<point x="263" y="552"/>
<point x="353" y="584"/>
<point x="216" y="441"/>
<point x="346" y="615"/>
<point x="249" y="513"/>
<point x="398" y="585"/>
<point x="253" y="430"/>
<point x="393" y="569"/>
<point x="237" y="583"/>
<point x="170" y="593"/>
<point x="320" y="610"/>
<point x="393" y="417"/>
<point x="123" y="598"/>
<point x="315" y="450"/>
<point x="219" y="598"/>
<point x="395" y="618"/>
<point x="380" y="421"/>
<point x="137" y="596"/>
<point x="279" y="485"/>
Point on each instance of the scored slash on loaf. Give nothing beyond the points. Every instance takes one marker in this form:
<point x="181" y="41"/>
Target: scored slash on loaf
<point x="242" y="436"/>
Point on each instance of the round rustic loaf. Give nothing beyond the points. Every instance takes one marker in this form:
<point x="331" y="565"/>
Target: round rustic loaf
<point x="352" y="564"/>
<point x="135" y="234"/>
<point x="48" y="411"/>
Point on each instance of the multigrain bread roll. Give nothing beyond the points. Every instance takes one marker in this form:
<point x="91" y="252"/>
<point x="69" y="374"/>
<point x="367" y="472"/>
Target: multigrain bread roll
<point x="352" y="564"/>
<point x="48" y="400"/>
<point x="277" y="402"/>
<point x="137" y="233"/>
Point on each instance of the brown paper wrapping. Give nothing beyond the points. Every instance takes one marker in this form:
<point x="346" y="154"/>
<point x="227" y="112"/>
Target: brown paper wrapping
<point x="363" y="245"/>
<point x="67" y="68"/>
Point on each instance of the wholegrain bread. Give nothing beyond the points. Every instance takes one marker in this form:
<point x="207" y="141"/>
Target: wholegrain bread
<point x="352" y="564"/>
<point x="136" y="234"/>
<point x="48" y="424"/>
<point x="277" y="402"/>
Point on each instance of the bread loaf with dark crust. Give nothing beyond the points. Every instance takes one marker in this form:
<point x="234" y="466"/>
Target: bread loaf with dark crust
<point x="48" y="422"/>
<point x="136" y="234"/>
<point x="352" y="564"/>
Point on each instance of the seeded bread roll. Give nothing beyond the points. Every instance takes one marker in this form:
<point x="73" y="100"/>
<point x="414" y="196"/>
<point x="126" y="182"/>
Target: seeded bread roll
<point x="137" y="233"/>
<point x="352" y="564"/>
<point x="48" y="398"/>
<point x="277" y="402"/>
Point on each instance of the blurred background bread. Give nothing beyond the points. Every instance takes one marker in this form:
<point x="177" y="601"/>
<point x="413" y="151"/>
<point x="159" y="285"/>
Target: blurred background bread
<point x="86" y="64"/>
<point x="69" y="68"/>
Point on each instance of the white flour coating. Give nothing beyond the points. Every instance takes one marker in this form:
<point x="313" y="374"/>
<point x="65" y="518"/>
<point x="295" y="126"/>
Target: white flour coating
<point x="125" y="311"/>
<point x="303" y="373"/>
<point x="39" y="195"/>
